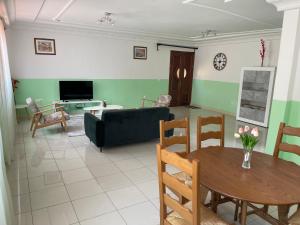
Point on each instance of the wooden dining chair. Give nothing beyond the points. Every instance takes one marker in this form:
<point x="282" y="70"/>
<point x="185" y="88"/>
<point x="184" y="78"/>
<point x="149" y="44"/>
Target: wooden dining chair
<point x="283" y="146"/>
<point x="191" y="213"/>
<point x="166" y="126"/>
<point x="204" y="136"/>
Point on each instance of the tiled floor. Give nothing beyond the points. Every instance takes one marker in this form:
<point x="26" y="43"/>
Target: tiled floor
<point x="61" y="180"/>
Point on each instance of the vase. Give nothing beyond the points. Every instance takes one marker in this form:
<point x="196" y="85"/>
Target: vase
<point x="247" y="158"/>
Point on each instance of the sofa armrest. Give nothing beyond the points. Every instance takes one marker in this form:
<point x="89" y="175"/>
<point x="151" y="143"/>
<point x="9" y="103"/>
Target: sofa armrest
<point x="94" y="129"/>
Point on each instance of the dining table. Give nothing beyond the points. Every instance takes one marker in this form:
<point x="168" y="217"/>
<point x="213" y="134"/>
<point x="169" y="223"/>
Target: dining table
<point x="269" y="181"/>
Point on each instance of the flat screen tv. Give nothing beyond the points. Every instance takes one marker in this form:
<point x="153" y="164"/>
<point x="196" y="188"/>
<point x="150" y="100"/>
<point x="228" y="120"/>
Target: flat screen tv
<point x="79" y="90"/>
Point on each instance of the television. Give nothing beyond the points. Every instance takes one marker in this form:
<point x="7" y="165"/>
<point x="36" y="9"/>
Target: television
<point x="79" y="90"/>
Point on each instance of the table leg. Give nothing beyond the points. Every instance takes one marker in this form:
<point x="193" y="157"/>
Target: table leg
<point x="244" y="212"/>
<point x="283" y="211"/>
<point x="214" y="201"/>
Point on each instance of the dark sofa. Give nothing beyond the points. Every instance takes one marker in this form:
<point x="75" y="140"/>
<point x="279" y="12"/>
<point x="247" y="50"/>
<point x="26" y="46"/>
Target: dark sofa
<point x="119" y="127"/>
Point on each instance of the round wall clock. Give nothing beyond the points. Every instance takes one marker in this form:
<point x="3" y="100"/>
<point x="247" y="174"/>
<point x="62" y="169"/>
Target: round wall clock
<point x="220" y="61"/>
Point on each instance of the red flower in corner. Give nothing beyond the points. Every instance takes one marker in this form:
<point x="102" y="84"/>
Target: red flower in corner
<point x="262" y="51"/>
<point x="14" y="83"/>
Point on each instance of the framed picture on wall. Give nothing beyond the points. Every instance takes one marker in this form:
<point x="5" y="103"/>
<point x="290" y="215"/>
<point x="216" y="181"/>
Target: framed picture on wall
<point x="255" y="95"/>
<point x="44" y="46"/>
<point x="139" y="52"/>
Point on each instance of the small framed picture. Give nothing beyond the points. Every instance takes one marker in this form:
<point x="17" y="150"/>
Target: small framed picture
<point x="44" y="46"/>
<point x="139" y="52"/>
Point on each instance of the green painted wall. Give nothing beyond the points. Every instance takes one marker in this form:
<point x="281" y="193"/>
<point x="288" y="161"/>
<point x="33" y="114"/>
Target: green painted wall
<point x="288" y="112"/>
<point x="124" y="92"/>
<point x="222" y="96"/>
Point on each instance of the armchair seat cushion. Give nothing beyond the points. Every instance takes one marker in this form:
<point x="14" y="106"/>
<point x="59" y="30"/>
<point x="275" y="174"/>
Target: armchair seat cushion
<point x="207" y="217"/>
<point x="55" y="117"/>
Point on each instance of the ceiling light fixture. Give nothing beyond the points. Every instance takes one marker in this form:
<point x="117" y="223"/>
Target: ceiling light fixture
<point x="208" y="33"/>
<point x="106" y="19"/>
<point x="187" y="1"/>
<point x="227" y="1"/>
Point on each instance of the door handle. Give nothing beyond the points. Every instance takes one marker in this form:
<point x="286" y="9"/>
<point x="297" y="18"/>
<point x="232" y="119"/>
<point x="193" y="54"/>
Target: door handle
<point x="184" y="73"/>
<point x="178" y="73"/>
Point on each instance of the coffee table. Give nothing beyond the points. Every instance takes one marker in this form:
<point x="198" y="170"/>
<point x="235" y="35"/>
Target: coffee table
<point x="100" y="108"/>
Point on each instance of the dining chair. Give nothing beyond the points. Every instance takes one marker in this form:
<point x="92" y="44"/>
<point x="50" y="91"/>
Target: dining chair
<point x="191" y="213"/>
<point x="295" y="218"/>
<point x="183" y="139"/>
<point x="204" y="136"/>
<point x="282" y="145"/>
<point x="47" y="115"/>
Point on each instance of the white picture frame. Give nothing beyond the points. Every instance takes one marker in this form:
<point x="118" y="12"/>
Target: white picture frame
<point x="255" y="95"/>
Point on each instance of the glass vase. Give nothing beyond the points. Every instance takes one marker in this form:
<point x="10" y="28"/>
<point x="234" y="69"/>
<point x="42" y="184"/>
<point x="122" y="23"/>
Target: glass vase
<point x="247" y="158"/>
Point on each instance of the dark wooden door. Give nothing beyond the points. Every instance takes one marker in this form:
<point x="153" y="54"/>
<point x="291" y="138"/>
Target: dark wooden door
<point x="181" y="77"/>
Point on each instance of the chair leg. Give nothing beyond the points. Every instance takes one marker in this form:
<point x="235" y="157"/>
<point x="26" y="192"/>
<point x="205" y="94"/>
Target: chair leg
<point x="100" y="149"/>
<point x="65" y="125"/>
<point x="32" y="122"/>
<point x="33" y="132"/>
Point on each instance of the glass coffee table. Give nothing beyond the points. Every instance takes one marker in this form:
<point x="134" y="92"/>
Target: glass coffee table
<point x="100" y="108"/>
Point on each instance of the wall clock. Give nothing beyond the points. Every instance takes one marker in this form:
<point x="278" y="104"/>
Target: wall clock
<point x="220" y="61"/>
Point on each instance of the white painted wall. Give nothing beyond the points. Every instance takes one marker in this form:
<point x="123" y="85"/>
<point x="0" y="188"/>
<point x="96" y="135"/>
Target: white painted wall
<point x="83" y="55"/>
<point x="240" y="53"/>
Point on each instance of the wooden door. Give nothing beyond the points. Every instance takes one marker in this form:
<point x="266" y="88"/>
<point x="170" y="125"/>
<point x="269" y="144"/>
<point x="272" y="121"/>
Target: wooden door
<point x="181" y="77"/>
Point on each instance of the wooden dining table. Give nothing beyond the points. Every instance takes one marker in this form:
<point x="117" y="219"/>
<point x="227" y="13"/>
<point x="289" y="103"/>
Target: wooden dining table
<point x="270" y="181"/>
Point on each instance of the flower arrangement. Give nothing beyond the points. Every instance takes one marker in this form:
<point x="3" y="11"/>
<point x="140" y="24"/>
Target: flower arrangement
<point x="262" y="51"/>
<point x="249" y="137"/>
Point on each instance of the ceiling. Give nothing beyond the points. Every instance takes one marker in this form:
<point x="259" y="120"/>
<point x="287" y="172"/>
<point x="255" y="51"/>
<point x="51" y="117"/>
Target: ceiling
<point x="170" y="18"/>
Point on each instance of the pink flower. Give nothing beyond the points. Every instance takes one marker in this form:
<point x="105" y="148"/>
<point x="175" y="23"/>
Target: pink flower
<point x="247" y="128"/>
<point x="254" y="132"/>
<point x="241" y="130"/>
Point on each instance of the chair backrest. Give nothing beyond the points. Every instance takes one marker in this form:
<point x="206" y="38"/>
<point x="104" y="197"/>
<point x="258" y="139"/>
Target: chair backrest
<point x="188" y="190"/>
<point x="203" y="136"/>
<point x="283" y="146"/>
<point x="32" y="105"/>
<point x="173" y="140"/>
<point x="163" y="100"/>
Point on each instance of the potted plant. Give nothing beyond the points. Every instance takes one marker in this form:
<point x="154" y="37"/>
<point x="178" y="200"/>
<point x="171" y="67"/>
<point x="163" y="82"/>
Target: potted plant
<point x="249" y="138"/>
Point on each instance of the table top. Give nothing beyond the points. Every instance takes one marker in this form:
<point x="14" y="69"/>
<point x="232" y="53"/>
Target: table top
<point x="269" y="181"/>
<point x="100" y="107"/>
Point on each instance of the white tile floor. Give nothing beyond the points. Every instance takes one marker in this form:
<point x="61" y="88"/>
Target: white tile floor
<point x="61" y="180"/>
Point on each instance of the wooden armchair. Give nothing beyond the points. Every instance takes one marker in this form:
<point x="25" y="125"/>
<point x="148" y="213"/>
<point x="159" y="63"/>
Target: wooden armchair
<point x="162" y="101"/>
<point x="47" y="115"/>
<point x="191" y="213"/>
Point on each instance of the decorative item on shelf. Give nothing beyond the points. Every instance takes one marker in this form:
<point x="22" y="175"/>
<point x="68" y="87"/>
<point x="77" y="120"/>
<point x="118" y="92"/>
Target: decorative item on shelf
<point x="44" y="46"/>
<point x="249" y="138"/>
<point x="139" y="52"/>
<point x="220" y="61"/>
<point x="262" y="51"/>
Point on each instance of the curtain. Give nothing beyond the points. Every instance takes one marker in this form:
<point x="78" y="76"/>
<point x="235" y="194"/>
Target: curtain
<point x="7" y="132"/>
<point x="8" y="118"/>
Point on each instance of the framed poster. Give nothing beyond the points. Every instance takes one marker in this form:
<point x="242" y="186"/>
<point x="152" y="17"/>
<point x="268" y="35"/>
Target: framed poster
<point x="44" y="46"/>
<point x="255" y="95"/>
<point x="139" y="52"/>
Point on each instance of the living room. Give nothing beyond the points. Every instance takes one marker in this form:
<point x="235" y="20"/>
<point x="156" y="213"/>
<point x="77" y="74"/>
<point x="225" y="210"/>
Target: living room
<point x="109" y="71"/>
